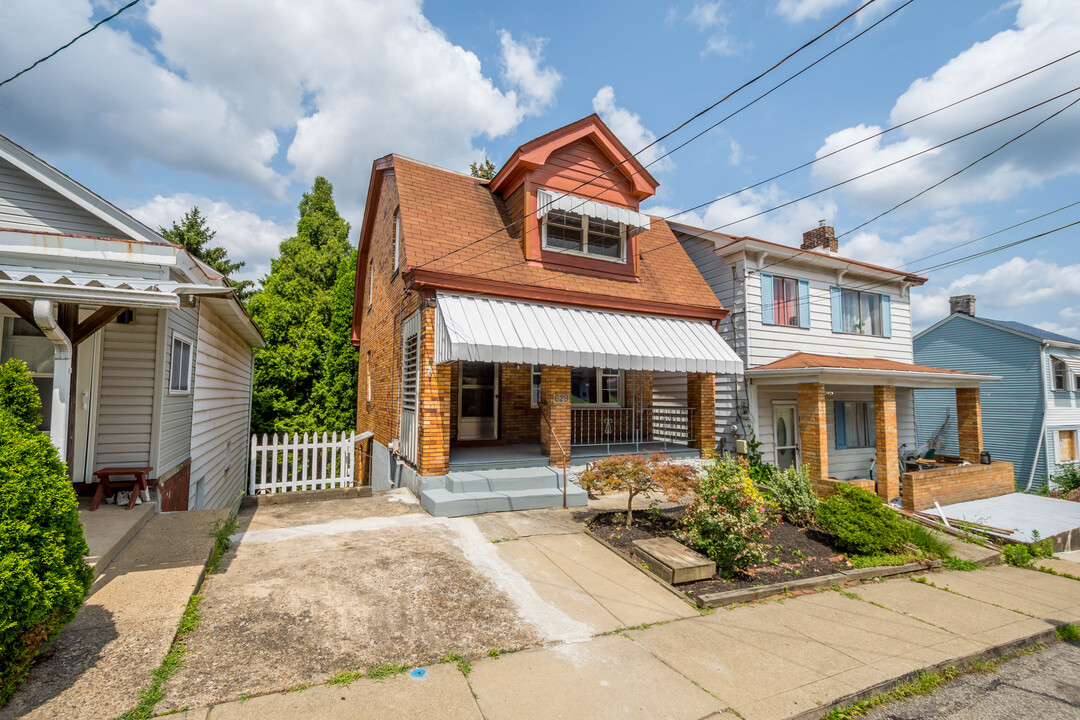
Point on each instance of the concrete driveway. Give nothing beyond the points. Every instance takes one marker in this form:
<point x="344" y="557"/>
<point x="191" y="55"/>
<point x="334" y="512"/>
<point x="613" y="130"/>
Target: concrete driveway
<point x="310" y="590"/>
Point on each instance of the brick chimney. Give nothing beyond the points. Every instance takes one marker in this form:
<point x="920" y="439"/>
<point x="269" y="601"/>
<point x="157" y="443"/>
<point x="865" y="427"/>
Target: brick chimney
<point x="962" y="304"/>
<point x="823" y="236"/>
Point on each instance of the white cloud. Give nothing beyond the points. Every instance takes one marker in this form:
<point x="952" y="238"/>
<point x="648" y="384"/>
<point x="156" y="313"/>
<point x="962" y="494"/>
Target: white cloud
<point x="794" y="11"/>
<point x="872" y="248"/>
<point x="710" y="17"/>
<point x="708" y="14"/>
<point x="628" y="127"/>
<point x="244" y="234"/>
<point x="1045" y="30"/>
<point x="736" y="155"/>
<point x="781" y="226"/>
<point x="1068" y="325"/>
<point x="521" y="69"/>
<point x="340" y="82"/>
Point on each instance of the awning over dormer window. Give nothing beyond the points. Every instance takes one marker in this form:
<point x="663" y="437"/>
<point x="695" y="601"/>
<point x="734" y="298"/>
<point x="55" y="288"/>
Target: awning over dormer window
<point x="548" y="200"/>
<point x="1073" y="363"/>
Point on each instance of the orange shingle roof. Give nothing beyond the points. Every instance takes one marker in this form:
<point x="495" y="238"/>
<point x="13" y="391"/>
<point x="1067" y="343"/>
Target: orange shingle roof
<point x="801" y="361"/>
<point x="447" y="216"/>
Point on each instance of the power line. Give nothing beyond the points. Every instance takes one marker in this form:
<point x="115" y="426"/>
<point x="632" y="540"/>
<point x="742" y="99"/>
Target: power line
<point x="683" y="144"/>
<point x="74" y="40"/>
<point x="671" y="132"/>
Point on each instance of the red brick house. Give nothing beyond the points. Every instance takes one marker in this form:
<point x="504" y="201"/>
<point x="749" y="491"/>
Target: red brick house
<point x="509" y="327"/>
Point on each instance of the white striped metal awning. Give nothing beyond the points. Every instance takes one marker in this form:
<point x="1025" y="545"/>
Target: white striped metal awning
<point x="547" y="200"/>
<point x="1073" y="363"/>
<point x="491" y="330"/>
<point x="67" y="286"/>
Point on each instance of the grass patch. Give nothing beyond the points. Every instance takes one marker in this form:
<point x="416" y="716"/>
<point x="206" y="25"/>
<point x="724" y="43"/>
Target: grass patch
<point x="299" y="687"/>
<point x="955" y="563"/>
<point x="1068" y="633"/>
<point x="1051" y="571"/>
<point x="450" y="657"/>
<point x="867" y="561"/>
<point x="345" y="679"/>
<point x="927" y="540"/>
<point x="173" y="661"/>
<point x="223" y="532"/>
<point x="245" y="697"/>
<point x="496" y="652"/>
<point x="848" y="594"/>
<point x="385" y="670"/>
<point x="464" y="666"/>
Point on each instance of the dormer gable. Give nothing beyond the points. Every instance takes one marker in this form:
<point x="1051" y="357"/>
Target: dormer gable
<point x="577" y="191"/>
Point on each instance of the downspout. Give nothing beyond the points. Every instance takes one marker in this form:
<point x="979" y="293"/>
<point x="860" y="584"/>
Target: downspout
<point x="1042" y="427"/>
<point x="43" y="316"/>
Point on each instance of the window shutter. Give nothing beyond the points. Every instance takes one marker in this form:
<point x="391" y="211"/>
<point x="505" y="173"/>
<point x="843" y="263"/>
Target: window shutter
<point x="840" y="418"/>
<point x="768" y="316"/>
<point x="837" y="315"/>
<point x="804" y="304"/>
<point x="886" y="316"/>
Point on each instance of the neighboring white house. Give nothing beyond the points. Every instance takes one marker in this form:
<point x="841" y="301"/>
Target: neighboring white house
<point x="825" y="340"/>
<point x="142" y="353"/>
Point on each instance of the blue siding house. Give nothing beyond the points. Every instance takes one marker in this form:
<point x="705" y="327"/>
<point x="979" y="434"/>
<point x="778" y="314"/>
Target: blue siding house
<point x="1031" y="417"/>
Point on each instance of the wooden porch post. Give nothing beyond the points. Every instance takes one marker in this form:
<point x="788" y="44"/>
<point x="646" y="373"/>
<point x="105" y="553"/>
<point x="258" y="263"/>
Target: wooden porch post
<point x="888" y="470"/>
<point x="814" y="435"/>
<point x="969" y="423"/>
<point x="555" y="381"/>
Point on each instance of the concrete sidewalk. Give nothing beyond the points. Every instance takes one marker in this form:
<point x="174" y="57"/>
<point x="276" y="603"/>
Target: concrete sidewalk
<point x="104" y="657"/>
<point x="777" y="659"/>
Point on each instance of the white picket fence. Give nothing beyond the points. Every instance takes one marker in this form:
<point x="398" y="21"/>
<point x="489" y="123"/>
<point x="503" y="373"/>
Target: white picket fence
<point x="301" y="462"/>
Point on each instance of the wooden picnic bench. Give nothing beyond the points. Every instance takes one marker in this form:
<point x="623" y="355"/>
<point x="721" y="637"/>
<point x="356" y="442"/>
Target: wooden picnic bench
<point x="106" y="485"/>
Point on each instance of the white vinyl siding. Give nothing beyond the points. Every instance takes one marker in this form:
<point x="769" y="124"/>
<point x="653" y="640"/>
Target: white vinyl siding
<point x="220" y="424"/>
<point x="27" y="204"/>
<point x="1063" y="406"/>
<point x="174" y="443"/>
<point x="126" y="393"/>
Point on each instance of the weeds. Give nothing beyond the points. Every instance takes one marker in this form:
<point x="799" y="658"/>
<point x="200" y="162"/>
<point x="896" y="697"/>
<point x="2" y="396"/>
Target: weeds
<point x="955" y="563"/>
<point x="464" y="666"/>
<point x="1068" y="633"/>
<point x="496" y="652"/>
<point x="450" y="657"/>
<point x="344" y="679"/>
<point x="299" y="687"/>
<point x="385" y="670"/>
<point x="867" y="561"/>
<point x="223" y="532"/>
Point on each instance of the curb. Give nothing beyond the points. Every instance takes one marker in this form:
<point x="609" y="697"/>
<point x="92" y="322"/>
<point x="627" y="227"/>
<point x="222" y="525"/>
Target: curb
<point x="1046" y="637"/>
<point x="733" y="597"/>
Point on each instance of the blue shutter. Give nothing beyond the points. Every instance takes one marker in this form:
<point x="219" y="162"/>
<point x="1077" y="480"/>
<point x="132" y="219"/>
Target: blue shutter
<point x="768" y="317"/>
<point x="886" y="316"/>
<point x="837" y="313"/>
<point x="804" y="304"/>
<point x="840" y="420"/>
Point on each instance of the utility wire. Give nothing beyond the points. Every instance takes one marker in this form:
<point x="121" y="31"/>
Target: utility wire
<point x="74" y="40"/>
<point x="671" y="132"/>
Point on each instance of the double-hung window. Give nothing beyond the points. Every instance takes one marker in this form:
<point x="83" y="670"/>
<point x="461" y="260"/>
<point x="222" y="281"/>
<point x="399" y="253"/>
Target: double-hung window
<point x="785" y="301"/>
<point x="595" y="386"/>
<point x="180" y="369"/>
<point x="854" y="425"/>
<point x="575" y="233"/>
<point x="1059" y="375"/>
<point x="861" y="313"/>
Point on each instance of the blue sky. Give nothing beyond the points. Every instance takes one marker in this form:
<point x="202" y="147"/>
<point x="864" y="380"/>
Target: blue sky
<point x="237" y="106"/>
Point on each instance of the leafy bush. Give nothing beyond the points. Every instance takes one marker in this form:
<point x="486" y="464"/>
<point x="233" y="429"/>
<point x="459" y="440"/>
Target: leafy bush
<point x="860" y="522"/>
<point x="43" y="577"/>
<point x="1067" y="478"/>
<point x="726" y="518"/>
<point x="636" y="475"/>
<point x="793" y="494"/>
<point x="1022" y="555"/>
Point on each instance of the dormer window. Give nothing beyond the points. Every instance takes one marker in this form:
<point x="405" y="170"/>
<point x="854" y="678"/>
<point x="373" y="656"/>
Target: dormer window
<point x="573" y="232"/>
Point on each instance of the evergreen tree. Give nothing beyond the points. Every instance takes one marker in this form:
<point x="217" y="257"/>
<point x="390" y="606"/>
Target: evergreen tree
<point x="194" y="234"/>
<point x="304" y="361"/>
<point x="485" y="169"/>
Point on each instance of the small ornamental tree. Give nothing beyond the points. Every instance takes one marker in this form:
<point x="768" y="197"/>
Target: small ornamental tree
<point x="726" y="520"/>
<point x="43" y="577"/>
<point x="637" y="475"/>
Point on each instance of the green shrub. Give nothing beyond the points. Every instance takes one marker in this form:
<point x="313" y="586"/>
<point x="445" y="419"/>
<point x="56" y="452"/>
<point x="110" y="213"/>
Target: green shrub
<point x="860" y="522"/>
<point x="1067" y="478"/>
<point x="1017" y="554"/>
<point x="43" y="577"/>
<point x="927" y="540"/>
<point x="726" y="519"/>
<point x="793" y="494"/>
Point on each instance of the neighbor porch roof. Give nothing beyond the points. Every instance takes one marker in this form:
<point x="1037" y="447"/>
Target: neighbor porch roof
<point x="806" y="367"/>
<point x="494" y="330"/>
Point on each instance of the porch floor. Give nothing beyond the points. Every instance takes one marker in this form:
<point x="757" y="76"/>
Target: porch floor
<point x="493" y="457"/>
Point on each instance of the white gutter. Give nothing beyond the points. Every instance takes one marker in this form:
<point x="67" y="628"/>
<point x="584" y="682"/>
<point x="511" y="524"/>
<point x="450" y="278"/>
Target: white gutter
<point x="1042" y="428"/>
<point x="43" y="316"/>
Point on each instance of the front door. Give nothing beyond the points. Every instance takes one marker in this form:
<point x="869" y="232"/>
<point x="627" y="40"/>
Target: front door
<point x="786" y="435"/>
<point x="478" y="401"/>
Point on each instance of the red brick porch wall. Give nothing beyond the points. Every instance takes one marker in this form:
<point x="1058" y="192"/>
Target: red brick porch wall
<point x="957" y="483"/>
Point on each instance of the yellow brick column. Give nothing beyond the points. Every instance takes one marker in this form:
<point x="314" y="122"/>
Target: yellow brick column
<point x="814" y="435"/>
<point x="888" y="469"/>
<point x="555" y="381"/>
<point x="969" y="423"/>
<point x="434" y="401"/>
<point x="701" y="399"/>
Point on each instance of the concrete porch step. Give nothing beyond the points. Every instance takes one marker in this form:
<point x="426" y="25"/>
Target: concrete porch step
<point x="440" y="502"/>
<point x="534" y="478"/>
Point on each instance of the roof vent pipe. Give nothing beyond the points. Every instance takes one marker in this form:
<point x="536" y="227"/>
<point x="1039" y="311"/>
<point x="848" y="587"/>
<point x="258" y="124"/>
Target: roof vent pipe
<point x="43" y="316"/>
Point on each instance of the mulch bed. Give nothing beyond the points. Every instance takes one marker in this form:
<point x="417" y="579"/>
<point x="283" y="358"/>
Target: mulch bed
<point x="792" y="553"/>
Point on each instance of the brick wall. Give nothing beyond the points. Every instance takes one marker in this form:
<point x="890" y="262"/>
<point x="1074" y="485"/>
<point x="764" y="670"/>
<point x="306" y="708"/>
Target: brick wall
<point x="888" y="472"/>
<point x="701" y="398"/>
<point x="554" y="380"/>
<point x="435" y="393"/>
<point x="829" y="484"/>
<point x="814" y="435"/>
<point x="957" y="483"/>
<point x="969" y="423"/>
<point x="519" y="422"/>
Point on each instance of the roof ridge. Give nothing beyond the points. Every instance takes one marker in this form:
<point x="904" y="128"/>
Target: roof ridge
<point x="433" y="166"/>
